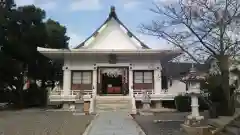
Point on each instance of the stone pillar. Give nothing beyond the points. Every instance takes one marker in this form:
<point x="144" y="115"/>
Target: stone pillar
<point x="130" y="81"/>
<point x="157" y="81"/>
<point x="195" y="108"/>
<point x="94" y="80"/>
<point x="66" y="82"/>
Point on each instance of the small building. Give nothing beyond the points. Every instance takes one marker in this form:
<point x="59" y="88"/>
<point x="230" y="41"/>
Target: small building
<point x="113" y="64"/>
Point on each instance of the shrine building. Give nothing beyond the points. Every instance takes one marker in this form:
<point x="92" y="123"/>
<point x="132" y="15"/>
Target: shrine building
<point x="113" y="65"/>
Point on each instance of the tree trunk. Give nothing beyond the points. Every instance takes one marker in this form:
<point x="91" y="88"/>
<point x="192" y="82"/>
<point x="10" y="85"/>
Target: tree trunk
<point x="227" y="105"/>
<point x="19" y="88"/>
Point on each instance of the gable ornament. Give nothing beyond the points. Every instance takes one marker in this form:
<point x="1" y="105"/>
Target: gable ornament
<point x="112" y="58"/>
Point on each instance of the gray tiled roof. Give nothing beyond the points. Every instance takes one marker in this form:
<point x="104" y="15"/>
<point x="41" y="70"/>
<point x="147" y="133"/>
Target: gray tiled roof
<point x="178" y="70"/>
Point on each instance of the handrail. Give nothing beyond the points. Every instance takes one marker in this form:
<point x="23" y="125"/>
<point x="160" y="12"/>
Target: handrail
<point x="139" y="92"/>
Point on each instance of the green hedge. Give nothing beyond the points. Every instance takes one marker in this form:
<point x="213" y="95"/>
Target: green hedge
<point x="183" y="103"/>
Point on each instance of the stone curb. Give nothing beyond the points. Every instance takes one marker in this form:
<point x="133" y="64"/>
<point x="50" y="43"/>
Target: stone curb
<point x="140" y="130"/>
<point x="58" y="110"/>
<point x="159" y="121"/>
<point x="89" y="127"/>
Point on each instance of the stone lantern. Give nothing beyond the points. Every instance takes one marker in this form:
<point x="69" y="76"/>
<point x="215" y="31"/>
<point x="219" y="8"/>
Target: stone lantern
<point x="146" y="100"/>
<point x="192" y="80"/>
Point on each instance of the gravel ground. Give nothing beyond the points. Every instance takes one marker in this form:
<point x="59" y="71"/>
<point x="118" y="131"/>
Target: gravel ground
<point x="165" y="127"/>
<point x="36" y="122"/>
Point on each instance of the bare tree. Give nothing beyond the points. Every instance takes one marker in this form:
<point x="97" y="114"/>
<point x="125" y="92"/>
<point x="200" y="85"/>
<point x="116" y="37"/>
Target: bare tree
<point x="201" y="28"/>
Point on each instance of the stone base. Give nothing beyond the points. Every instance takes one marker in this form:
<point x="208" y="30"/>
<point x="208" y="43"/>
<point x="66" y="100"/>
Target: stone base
<point x="79" y="107"/>
<point x="201" y="130"/>
<point x="69" y="107"/>
<point x="72" y="107"/>
<point x="65" y="106"/>
<point x="198" y="118"/>
<point x="134" y="111"/>
<point x="146" y="113"/>
<point x="146" y="106"/>
<point x="194" y="121"/>
<point x="159" y="105"/>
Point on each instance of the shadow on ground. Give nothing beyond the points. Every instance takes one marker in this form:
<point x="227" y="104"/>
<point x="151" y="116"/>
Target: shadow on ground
<point x="37" y="122"/>
<point x="169" y="126"/>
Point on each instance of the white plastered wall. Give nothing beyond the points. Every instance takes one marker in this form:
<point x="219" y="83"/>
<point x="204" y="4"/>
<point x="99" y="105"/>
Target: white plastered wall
<point x="135" y="65"/>
<point x="112" y="37"/>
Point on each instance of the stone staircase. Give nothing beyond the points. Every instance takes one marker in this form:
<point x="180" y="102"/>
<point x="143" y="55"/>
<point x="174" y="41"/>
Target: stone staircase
<point x="113" y="103"/>
<point x="226" y="125"/>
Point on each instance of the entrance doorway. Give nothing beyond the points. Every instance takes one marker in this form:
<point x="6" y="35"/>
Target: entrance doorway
<point x="112" y="81"/>
<point x="111" y="84"/>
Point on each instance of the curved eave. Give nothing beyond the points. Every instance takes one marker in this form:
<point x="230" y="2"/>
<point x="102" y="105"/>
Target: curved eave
<point x="60" y="53"/>
<point x="114" y="16"/>
<point x="102" y="51"/>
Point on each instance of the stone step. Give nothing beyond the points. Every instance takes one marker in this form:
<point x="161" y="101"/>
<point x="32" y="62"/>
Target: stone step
<point x="113" y="108"/>
<point x="79" y="102"/>
<point x="122" y="110"/>
<point x="235" y="124"/>
<point x="110" y="108"/>
<point x="232" y="130"/>
<point x="113" y="97"/>
<point x="79" y="106"/>
<point x="116" y="104"/>
<point x="105" y="107"/>
<point x="112" y="102"/>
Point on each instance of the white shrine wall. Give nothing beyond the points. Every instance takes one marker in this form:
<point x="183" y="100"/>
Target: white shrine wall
<point x="88" y="64"/>
<point x="91" y="64"/>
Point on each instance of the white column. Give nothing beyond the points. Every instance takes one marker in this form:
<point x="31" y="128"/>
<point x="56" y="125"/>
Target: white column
<point x="130" y="81"/>
<point x="94" y="91"/>
<point x="66" y="82"/>
<point x="157" y="81"/>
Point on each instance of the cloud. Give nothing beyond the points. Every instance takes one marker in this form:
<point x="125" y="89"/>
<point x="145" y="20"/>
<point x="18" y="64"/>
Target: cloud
<point x="131" y="4"/>
<point x="24" y="2"/>
<point x="165" y="2"/>
<point x="85" y="5"/>
<point x="75" y="39"/>
<point x="49" y="5"/>
<point x="45" y="4"/>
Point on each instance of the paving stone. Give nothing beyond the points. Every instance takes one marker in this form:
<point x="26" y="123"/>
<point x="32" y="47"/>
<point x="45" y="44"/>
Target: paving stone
<point x="114" y="123"/>
<point x="161" y="124"/>
<point x="37" y="122"/>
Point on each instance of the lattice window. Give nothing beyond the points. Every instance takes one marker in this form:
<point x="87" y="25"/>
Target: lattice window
<point x="138" y="77"/>
<point x="147" y="77"/>
<point x="86" y="78"/>
<point x="143" y="77"/>
<point x="81" y="77"/>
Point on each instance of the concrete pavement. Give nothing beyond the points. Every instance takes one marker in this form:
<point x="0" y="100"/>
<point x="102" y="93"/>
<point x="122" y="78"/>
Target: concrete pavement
<point x="114" y="123"/>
